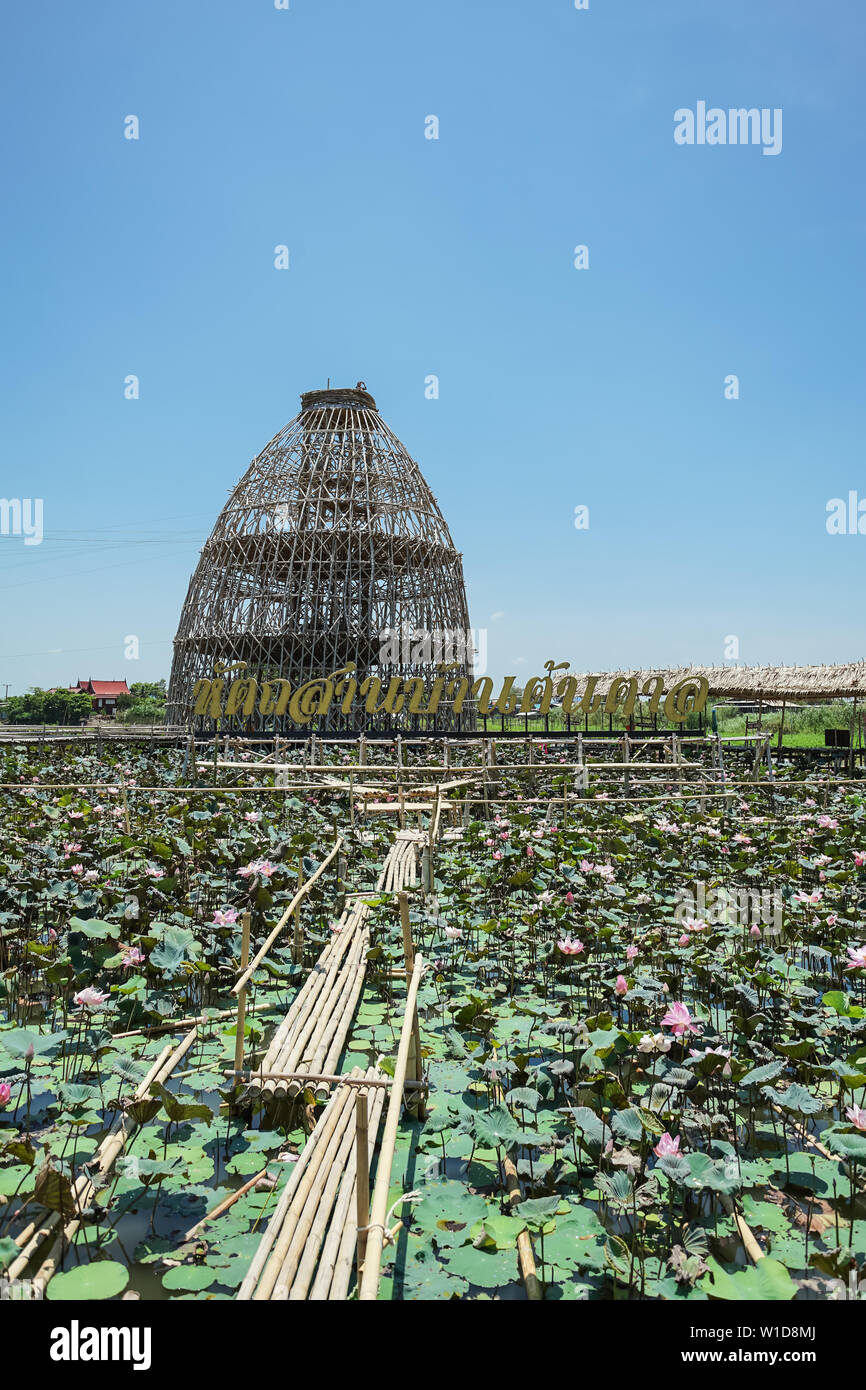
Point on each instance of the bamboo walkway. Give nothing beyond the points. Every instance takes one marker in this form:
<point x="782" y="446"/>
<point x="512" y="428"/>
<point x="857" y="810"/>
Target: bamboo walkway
<point x="313" y="1035"/>
<point x="308" y="1249"/>
<point x="322" y="1219"/>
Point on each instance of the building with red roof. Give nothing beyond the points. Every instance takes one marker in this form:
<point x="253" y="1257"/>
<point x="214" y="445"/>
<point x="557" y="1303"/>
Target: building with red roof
<point x="103" y="694"/>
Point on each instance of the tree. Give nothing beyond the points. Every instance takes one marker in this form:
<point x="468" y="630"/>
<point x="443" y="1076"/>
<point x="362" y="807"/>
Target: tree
<point x="47" y="707"/>
<point x="142" y="690"/>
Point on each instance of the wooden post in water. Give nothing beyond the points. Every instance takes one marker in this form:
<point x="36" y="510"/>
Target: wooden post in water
<point x="415" y="1068"/>
<point x="362" y="1168"/>
<point x="242" y="996"/>
<point x="297" y="938"/>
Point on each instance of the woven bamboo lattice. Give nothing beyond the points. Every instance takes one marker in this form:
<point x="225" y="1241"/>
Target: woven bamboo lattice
<point x="331" y="537"/>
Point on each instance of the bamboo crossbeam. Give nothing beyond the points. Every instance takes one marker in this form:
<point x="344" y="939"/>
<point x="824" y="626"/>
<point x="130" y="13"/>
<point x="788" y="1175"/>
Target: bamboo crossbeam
<point x="178" y="1025"/>
<point x="369" y="1285"/>
<point x="330" y="1079"/>
<point x="295" y="902"/>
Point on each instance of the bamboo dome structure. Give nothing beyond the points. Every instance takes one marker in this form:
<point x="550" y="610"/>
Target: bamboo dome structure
<point x="331" y="538"/>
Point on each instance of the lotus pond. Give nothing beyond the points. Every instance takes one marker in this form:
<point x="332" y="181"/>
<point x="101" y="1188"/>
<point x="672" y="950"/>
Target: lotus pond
<point x="671" y="1081"/>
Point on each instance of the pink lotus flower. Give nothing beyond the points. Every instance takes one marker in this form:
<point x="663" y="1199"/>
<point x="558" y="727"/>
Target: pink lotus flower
<point x="253" y="816"/>
<point x="570" y="946"/>
<point x="714" y="1052"/>
<point x="856" y="1116"/>
<point x="828" y="823"/>
<point x="621" y="986"/>
<point x="90" y="998"/>
<point x="496" y="854"/>
<point x="263" y="867"/>
<point x="680" y="1021"/>
<point x="856" y="958"/>
<point x="667" y="1147"/>
<point x="70" y="848"/>
<point x="453" y="933"/>
<point x="631" y="952"/>
<point x="860" y="858"/>
<point x="5" y="1094"/>
<point x="684" y="940"/>
<point x="569" y="898"/>
<point x="132" y="956"/>
<point x="225" y="918"/>
<point x="814" y="897"/>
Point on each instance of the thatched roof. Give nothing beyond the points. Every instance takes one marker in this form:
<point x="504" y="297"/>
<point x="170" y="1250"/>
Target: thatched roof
<point x="814" y="684"/>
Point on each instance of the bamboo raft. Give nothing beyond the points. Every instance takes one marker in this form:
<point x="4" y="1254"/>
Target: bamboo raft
<point x="312" y="1037"/>
<point x="308" y="1248"/>
<point x="400" y="869"/>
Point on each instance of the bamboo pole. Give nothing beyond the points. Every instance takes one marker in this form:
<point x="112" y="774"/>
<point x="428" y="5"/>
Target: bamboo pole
<point x="316" y="1142"/>
<point x="242" y="994"/>
<point x="39" y="1236"/>
<point x="338" y="1254"/>
<point x="309" y="1077"/>
<point x="297" y="935"/>
<point x="362" y="1185"/>
<point x="379" y="1209"/>
<point x="84" y="1190"/>
<point x="296" y="900"/>
<point x="225" y="1204"/>
<point x="299" y="1264"/>
<point x="525" y="1252"/>
<point x="310" y="1187"/>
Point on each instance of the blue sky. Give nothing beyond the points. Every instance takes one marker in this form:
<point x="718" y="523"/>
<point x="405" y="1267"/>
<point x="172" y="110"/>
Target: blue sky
<point x="453" y="257"/>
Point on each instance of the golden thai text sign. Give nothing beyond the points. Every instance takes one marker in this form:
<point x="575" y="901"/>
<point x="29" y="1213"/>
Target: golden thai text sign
<point x="219" y="697"/>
